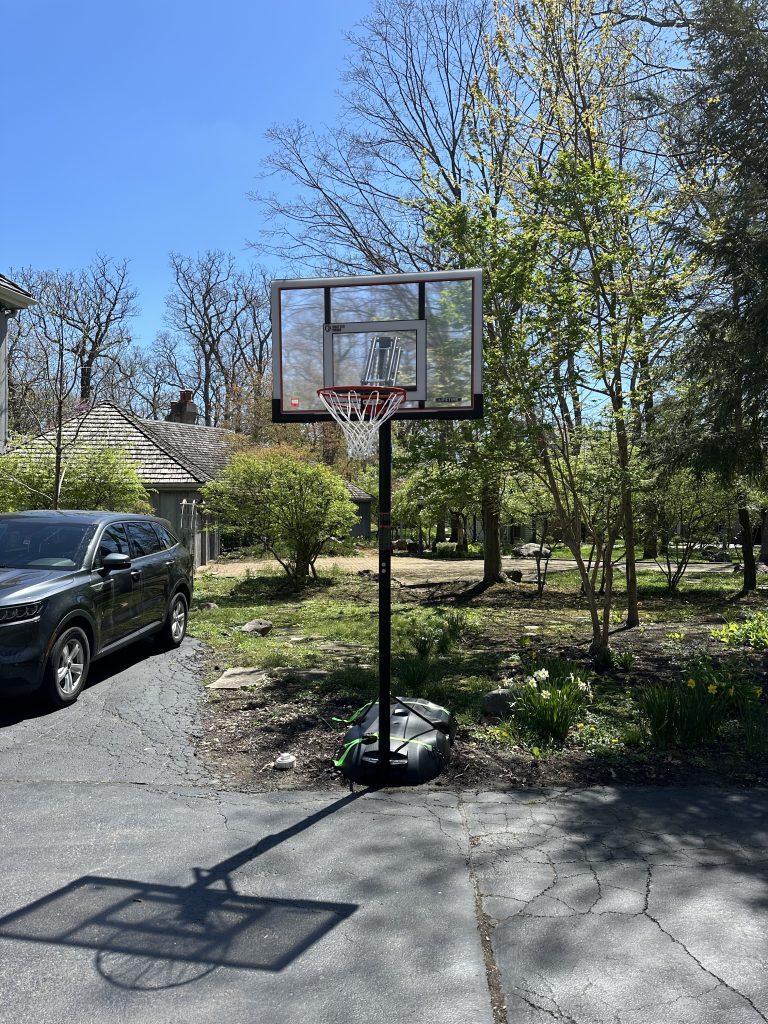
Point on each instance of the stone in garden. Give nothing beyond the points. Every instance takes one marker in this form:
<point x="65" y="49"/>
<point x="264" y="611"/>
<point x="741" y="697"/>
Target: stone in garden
<point x="515" y="575"/>
<point x="761" y="567"/>
<point x="208" y="606"/>
<point x="498" y="703"/>
<point x="715" y="554"/>
<point x="531" y="551"/>
<point x="307" y="675"/>
<point x="260" y="626"/>
<point x="240" y="679"/>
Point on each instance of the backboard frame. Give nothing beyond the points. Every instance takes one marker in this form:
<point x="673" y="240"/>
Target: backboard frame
<point x="282" y="413"/>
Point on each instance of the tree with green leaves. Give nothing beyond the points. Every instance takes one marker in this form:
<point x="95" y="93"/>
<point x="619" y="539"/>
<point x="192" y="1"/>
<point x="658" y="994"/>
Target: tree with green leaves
<point x="584" y="280"/>
<point x="291" y="507"/>
<point x="720" y="137"/>
<point x="89" y="477"/>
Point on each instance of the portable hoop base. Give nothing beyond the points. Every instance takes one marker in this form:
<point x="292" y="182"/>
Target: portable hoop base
<point x="420" y="738"/>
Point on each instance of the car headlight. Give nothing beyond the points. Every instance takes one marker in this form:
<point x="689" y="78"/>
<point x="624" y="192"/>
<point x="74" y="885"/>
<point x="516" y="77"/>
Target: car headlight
<point x="21" y="612"/>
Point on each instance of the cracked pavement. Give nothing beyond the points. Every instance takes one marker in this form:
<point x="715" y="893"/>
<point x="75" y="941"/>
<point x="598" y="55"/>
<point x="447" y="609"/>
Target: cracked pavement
<point x="137" y="889"/>
<point x="626" y="905"/>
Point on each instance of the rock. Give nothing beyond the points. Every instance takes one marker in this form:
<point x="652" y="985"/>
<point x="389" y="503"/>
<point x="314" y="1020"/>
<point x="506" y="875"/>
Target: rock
<point x="761" y="567"/>
<point x="515" y="575"/>
<point x="240" y="679"/>
<point x="260" y="626"/>
<point x="531" y="551"/>
<point x="304" y="675"/>
<point x="498" y="703"/>
<point x="208" y="606"/>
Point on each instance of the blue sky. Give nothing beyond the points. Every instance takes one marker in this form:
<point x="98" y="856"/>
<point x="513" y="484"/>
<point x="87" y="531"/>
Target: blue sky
<point x="135" y="128"/>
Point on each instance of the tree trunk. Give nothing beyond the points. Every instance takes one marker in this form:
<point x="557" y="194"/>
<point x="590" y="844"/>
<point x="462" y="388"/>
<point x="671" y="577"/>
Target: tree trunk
<point x="440" y="530"/>
<point x="490" y="509"/>
<point x="747" y="551"/>
<point x="764" y="537"/>
<point x="633" y="610"/>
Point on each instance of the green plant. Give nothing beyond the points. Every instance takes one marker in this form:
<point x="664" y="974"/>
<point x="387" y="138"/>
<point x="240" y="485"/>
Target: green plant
<point x="754" y="726"/>
<point x="750" y="632"/>
<point x="412" y="671"/>
<point x="624" y="660"/>
<point x="424" y="644"/>
<point x="452" y="629"/>
<point x="658" y="705"/>
<point x="548" y="707"/>
<point x="702" y="710"/>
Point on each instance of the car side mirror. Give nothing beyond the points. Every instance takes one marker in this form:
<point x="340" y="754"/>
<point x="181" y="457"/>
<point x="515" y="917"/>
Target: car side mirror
<point x="115" y="561"/>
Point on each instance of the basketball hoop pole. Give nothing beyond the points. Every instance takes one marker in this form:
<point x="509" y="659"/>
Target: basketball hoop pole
<point x="385" y="592"/>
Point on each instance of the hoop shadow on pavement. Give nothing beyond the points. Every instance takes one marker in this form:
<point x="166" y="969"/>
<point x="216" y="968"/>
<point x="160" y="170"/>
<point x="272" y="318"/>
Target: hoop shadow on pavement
<point x="149" y="936"/>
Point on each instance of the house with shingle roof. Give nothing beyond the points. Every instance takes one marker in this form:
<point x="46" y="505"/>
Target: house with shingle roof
<point x="174" y="458"/>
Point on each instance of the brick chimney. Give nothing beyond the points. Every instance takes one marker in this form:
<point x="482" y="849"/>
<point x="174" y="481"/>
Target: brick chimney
<point x="183" y="411"/>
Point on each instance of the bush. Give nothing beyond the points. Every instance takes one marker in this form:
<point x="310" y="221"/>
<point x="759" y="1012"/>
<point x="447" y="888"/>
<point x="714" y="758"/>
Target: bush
<point x="91" y="478"/>
<point x="293" y="507"/>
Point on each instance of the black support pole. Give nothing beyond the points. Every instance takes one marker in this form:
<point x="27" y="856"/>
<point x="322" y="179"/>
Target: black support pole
<point x="385" y="590"/>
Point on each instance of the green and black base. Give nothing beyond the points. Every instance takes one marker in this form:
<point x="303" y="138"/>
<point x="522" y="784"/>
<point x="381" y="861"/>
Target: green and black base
<point x="420" y="738"/>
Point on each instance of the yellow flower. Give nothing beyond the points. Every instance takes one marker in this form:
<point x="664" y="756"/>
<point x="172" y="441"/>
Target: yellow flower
<point x="579" y="725"/>
<point x="730" y="691"/>
<point x="614" y="740"/>
<point x="711" y="688"/>
<point x="692" y="683"/>
<point x="758" y="691"/>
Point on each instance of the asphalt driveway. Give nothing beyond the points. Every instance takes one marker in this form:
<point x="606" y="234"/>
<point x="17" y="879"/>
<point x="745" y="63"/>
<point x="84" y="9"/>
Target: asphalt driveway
<point x="137" y="889"/>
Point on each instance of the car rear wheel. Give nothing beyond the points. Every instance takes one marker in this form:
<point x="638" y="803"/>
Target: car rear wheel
<point x="175" y="627"/>
<point x="68" y="666"/>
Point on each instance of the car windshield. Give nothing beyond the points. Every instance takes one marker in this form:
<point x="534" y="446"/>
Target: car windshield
<point x="37" y="544"/>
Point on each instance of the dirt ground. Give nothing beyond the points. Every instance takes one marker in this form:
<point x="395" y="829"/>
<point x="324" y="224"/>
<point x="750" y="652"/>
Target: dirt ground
<point x="244" y="731"/>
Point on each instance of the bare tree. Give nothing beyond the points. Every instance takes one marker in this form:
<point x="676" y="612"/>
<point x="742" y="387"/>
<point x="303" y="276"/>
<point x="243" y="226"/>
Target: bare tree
<point x="358" y="194"/>
<point x="222" y="315"/>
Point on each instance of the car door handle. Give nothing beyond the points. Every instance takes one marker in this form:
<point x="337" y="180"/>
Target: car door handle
<point x="135" y="573"/>
<point x="169" y="562"/>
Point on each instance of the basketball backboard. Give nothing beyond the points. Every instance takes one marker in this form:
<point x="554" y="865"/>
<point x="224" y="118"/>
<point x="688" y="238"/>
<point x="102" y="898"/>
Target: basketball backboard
<point x="421" y="332"/>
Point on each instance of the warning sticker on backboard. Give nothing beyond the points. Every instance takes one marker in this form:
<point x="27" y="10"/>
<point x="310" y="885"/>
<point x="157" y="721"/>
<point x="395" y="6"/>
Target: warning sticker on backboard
<point x="447" y="399"/>
<point x="295" y="402"/>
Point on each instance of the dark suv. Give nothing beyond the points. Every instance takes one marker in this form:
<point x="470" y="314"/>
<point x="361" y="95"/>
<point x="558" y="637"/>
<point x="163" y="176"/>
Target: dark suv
<point x="75" y="586"/>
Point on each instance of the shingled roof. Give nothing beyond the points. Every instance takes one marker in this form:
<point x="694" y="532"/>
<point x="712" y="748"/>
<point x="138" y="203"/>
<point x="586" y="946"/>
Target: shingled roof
<point x="165" y="454"/>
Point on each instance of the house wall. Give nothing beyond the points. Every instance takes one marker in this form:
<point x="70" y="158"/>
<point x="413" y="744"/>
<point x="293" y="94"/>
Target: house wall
<point x="179" y="507"/>
<point x="362" y="527"/>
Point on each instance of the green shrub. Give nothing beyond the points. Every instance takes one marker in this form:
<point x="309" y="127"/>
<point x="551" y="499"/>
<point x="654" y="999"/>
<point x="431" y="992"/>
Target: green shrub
<point x="448" y="549"/>
<point x="750" y="632"/>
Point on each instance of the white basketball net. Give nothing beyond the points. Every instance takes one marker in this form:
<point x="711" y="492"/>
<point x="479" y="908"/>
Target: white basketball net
<point x="360" y="411"/>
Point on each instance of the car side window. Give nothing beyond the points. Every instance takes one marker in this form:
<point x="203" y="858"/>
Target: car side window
<point x="166" y="537"/>
<point x="144" y="540"/>
<point x="113" y="541"/>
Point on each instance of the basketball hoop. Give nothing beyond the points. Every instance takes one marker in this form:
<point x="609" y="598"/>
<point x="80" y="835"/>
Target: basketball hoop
<point x="360" y="410"/>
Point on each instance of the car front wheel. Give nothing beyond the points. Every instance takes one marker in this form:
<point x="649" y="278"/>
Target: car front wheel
<point x="67" y="668"/>
<point x="175" y="627"/>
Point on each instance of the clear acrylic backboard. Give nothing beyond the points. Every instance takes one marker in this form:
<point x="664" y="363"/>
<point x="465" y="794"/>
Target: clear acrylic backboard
<point x="421" y="332"/>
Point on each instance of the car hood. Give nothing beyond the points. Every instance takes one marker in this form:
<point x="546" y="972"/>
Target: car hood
<point x="19" y="586"/>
